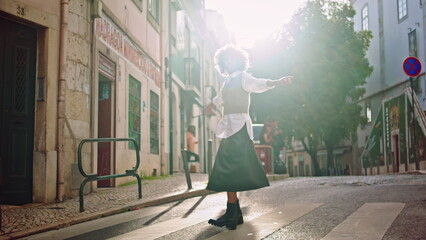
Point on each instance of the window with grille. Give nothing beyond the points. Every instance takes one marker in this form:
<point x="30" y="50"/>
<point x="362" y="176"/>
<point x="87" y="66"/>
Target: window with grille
<point x="154" y="123"/>
<point x="134" y="111"/>
<point x="20" y="87"/>
<point x="402" y="9"/>
<point x="364" y="16"/>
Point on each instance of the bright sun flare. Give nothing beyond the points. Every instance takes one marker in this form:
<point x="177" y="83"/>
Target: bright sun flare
<point x="252" y="20"/>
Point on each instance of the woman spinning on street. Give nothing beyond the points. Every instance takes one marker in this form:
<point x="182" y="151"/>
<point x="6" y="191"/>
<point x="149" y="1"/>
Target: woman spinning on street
<point x="236" y="166"/>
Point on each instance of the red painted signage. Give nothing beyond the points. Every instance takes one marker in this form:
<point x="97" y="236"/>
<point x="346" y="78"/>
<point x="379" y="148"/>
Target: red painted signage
<point x="114" y="38"/>
<point x="106" y="67"/>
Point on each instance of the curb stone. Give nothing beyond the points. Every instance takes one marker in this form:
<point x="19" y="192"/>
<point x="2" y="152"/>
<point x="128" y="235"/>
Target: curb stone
<point x="105" y="213"/>
<point x="116" y="210"/>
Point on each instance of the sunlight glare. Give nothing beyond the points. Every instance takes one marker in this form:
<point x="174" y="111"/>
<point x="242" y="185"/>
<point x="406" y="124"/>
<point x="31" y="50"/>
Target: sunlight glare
<point x="252" y="20"/>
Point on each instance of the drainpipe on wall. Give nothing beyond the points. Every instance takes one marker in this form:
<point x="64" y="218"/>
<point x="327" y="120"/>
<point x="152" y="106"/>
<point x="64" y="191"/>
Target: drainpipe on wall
<point x="203" y="108"/>
<point x="162" y="95"/>
<point x="61" y="100"/>
<point x="170" y="86"/>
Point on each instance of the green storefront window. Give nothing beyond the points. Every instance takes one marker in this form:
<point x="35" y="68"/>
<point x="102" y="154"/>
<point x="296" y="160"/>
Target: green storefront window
<point x="154" y="123"/>
<point x="134" y="111"/>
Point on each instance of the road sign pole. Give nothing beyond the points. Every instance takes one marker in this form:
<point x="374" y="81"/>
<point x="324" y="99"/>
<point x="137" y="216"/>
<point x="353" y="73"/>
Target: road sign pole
<point x="413" y="124"/>
<point x="413" y="67"/>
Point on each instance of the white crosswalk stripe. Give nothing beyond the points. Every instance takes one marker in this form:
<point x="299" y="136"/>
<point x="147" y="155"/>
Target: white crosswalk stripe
<point x="160" y="229"/>
<point x="93" y="225"/>
<point x="369" y="222"/>
<point x="255" y="229"/>
<point x="266" y="224"/>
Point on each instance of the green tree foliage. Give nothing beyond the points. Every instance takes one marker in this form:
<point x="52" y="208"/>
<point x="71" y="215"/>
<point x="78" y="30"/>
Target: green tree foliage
<point x="328" y="59"/>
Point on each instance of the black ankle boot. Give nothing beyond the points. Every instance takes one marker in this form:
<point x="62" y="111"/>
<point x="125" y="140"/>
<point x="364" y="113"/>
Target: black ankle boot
<point x="240" y="219"/>
<point x="232" y="217"/>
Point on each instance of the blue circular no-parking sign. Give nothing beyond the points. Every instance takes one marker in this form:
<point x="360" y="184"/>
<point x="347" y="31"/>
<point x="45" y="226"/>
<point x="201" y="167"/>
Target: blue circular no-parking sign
<point x="412" y="66"/>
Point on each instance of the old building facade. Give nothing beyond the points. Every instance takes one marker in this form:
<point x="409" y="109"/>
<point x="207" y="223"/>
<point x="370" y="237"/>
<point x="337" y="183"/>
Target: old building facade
<point x="72" y="70"/>
<point x="393" y="140"/>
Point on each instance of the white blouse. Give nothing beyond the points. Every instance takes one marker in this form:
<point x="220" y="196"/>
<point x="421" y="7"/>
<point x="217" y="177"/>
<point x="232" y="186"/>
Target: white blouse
<point x="232" y="123"/>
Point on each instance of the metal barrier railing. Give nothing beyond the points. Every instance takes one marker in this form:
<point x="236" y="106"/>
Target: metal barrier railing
<point x="209" y="156"/>
<point x="186" y="168"/>
<point x="95" y="177"/>
<point x="185" y="158"/>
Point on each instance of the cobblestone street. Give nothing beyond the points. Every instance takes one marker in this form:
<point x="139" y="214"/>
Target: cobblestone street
<point x="38" y="217"/>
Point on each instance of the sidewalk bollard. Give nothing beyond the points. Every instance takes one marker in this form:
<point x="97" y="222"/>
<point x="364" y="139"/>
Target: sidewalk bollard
<point x="209" y="156"/>
<point x="186" y="168"/>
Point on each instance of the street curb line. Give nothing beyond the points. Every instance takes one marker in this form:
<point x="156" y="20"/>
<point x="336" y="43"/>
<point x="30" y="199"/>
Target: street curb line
<point x="277" y="177"/>
<point x="64" y="223"/>
<point x="92" y="216"/>
<point x="112" y="211"/>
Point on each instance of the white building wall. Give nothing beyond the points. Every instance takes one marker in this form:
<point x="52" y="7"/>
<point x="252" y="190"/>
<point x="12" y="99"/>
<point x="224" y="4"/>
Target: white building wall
<point x="388" y="49"/>
<point x="396" y="38"/>
<point x="373" y="84"/>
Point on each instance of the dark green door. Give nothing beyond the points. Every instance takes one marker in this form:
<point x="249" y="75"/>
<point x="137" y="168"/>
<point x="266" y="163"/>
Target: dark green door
<point x="17" y="83"/>
<point x="290" y="166"/>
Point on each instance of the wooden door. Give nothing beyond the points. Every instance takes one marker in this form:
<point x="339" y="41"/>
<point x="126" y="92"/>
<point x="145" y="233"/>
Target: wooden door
<point x="395" y="153"/>
<point x="17" y="83"/>
<point x="104" y="130"/>
<point x="290" y="166"/>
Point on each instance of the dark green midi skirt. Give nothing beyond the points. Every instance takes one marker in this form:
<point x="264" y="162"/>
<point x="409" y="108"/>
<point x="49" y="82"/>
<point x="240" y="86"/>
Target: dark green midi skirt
<point x="237" y="167"/>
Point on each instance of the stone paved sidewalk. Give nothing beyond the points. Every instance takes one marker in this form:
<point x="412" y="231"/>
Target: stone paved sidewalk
<point x="33" y="218"/>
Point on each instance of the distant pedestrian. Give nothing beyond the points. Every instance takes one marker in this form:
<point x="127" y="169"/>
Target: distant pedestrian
<point x="237" y="167"/>
<point x="277" y="139"/>
<point x="266" y="135"/>
<point x="190" y="143"/>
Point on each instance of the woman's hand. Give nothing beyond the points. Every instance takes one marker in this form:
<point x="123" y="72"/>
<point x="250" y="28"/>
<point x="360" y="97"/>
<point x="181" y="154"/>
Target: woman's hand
<point x="286" y="80"/>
